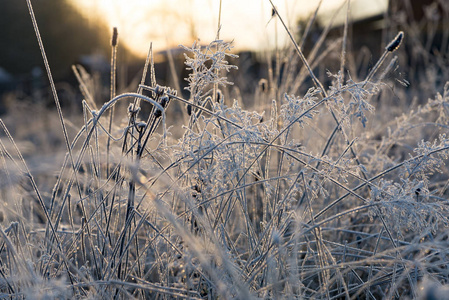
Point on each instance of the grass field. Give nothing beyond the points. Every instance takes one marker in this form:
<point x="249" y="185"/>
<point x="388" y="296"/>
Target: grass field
<point x="332" y="185"/>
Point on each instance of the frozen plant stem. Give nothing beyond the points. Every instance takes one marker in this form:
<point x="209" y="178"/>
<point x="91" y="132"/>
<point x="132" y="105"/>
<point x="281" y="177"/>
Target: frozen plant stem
<point x="50" y="78"/>
<point x="345" y="38"/>
<point x="53" y="89"/>
<point x="114" y="42"/>
<point x="39" y="197"/>
<point x="391" y="47"/>
<point x="317" y="83"/>
<point x="214" y="96"/>
<point x="58" y="108"/>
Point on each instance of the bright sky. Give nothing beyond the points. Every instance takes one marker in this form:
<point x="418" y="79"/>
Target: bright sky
<point x="168" y="23"/>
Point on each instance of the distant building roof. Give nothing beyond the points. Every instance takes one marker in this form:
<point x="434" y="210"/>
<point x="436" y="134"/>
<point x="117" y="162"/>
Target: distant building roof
<point x="358" y="10"/>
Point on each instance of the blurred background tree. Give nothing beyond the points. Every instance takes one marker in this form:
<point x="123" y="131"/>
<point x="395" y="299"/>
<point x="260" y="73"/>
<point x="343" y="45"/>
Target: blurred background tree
<point x="66" y="35"/>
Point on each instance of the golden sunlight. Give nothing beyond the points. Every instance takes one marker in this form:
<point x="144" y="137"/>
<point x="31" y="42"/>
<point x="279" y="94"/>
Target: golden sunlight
<point x="168" y="23"/>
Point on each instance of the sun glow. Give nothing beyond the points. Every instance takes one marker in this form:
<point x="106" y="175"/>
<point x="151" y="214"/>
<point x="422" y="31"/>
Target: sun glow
<point x="168" y="23"/>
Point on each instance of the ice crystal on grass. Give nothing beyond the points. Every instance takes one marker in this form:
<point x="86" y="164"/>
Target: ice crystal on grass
<point x="298" y="109"/>
<point x="341" y="168"/>
<point x="441" y="105"/>
<point x="359" y="105"/>
<point x="359" y="94"/>
<point x="431" y="157"/>
<point x="409" y="205"/>
<point x="222" y="151"/>
<point x="206" y="64"/>
<point x="41" y="288"/>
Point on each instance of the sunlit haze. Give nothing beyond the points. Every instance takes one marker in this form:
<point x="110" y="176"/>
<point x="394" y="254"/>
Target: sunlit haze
<point x="168" y="23"/>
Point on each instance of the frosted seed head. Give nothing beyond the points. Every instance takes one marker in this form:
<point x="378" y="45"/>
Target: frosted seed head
<point x="164" y="101"/>
<point x="395" y="43"/>
<point x="189" y="109"/>
<point x="263" y="86"/>
<point x="220" y="96"/>
<point x="417" y="191"/>
<point x="157" y="113"/>
<point x="159" y="90"/>
<point x="114" y="40"/>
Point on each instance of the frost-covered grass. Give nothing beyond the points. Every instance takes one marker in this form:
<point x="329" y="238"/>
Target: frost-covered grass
<point x="339" y="191"/>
